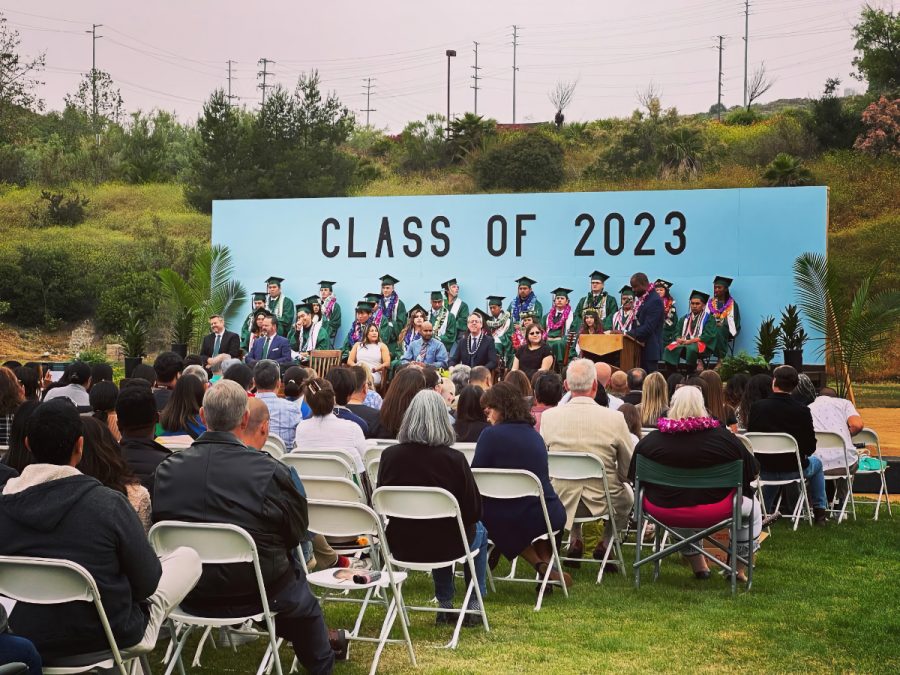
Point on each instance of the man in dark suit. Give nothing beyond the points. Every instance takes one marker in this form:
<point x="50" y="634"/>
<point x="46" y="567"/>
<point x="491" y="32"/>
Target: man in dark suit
<point x="779" y="413"/>
<point x="476" y="348"/>
<point x="648" y="322"/>
<point x="219" y="340"/>
<point x="270" y="345"/>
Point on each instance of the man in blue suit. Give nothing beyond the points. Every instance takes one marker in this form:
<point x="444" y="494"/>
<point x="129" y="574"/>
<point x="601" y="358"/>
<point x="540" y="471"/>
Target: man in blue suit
<point x="648" y="322"/>
<point x="270" y="345"/>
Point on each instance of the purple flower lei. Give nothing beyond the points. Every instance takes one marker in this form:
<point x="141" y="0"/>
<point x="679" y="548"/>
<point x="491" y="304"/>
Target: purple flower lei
<point x="687" y="424"/>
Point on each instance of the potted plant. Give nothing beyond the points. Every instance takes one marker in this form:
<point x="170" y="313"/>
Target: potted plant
<point x="793" y="337"/>
<point x="183" y="330"/>
<point x="134" y="341"/>
<point x="741" y="362"/>
<point x="767" y="339"/>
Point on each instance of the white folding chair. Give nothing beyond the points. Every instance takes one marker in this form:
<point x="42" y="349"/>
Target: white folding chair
<point x="430" y="503"/>
<point x="755" y="483"/>
<point x="831" y="440"/>
<point x="323" y="466"/>
<point x="782" y="444"/>
<point x="350" y="456"/>
<point x="53" y="581"/>
<point x="372" y="464"/>
<point x="275" y="446"/>
<point x="385" y="442"/>
<point x="468" y="449"/>
<point x="868" y="437"/>
<point x="330" y="489"/>
<point x="341" y="520"/>
<point x="582" y="466"/>
<point x="372" y="452"/>
<point x="216" y="544"/>
<point x="519" y="484"/>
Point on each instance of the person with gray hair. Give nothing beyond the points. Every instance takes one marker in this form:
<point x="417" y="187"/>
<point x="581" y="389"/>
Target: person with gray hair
<point x="215" y="365"/>
<point x="199" y="372"/>
<point x="217" y="480"/>
<point x="284" y="415"/>
<point x="459" y="374"/>
<point x="584" y="426"/>
<point x="423" y="457"/>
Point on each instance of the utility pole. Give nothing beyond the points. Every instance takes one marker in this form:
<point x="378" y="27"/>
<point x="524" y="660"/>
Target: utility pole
<point x="230" y="97"/>
<point x="368" y="109"/>
<point x="515" y="68"/>
<point x="719" y="97"/>
<point x="746" y="45"/>
<point x="94" y="38"/>
<point x="476" y="77"/>
<point x="264" y="62"/>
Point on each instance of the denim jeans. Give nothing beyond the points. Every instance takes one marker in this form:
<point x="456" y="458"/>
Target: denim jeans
<point x="15" y="649"/>
<point x="444" y="587"/>
<point x="813" y="473"/>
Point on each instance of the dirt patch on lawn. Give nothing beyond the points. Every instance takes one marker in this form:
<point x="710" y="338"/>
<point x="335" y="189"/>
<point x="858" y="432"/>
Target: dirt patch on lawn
<point x="886" y="423"/>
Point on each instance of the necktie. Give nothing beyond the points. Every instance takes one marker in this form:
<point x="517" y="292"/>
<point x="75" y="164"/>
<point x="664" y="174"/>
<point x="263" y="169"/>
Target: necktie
<point x="217" y="346"/>
<point x="422" y="351"/>
<point x="265" y="352"/>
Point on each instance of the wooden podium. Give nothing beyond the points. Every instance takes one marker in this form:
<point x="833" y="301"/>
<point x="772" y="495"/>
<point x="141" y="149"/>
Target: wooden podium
<point x="627" y="347"/>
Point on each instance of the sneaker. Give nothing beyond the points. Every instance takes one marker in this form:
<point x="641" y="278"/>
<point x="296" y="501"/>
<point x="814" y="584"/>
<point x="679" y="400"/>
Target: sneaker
<point x="443" y="617"/>
<point x="340" y="645"/>
<point x="472" y="620"/>
<point x="820" y="517"/>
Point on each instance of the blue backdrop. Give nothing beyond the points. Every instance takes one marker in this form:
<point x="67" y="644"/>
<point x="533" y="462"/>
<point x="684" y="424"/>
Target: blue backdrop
<point x="487" y="241"/>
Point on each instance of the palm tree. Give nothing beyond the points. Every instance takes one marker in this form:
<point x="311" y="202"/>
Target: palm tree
<point x="787" y="171"/>
<point x="208" y="290"/>
<point x="853" y="329"/>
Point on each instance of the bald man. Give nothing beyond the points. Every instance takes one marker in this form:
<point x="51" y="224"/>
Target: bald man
<point x="604" y="375"/>
<point x="256" y="432"/>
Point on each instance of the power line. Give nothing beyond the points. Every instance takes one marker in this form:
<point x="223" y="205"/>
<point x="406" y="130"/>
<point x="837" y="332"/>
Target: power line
<point x="94" y="38"/>
<point x="746" y="45"/>
<point x="719" y="81"/>
<point x="230" y="97"/>
<point x="476" y="77"/>
<point x="515" y="68"/>
<point x="264" y="62"/>
<point x="368" y="109"/>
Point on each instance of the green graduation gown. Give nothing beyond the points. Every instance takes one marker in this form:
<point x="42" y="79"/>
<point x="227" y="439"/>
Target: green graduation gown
<point x="728" y="324"/>
<point x="556" y="338"/>
<point x="444" y="324"/>
<point x="604" y="303"/>
<point x="390" y="328"/>
<point x="460" y="312"/>
<point x="332" y="323"/>
<point x="245" y="333"/>
<point x="299" y="340"/>
<point x="537" y="308"/>
<point x="501" y="330"/>
<point x="708" y="334"/>
<point x="671" y="325"/>
<point x="283" y="309"/>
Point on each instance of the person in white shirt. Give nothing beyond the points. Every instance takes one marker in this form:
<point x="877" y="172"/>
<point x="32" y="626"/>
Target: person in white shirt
<point x="77" y="379"/>
<point x="837" y="415"/>
<point x="324" y="429"/>
<point x="604" y="374"/>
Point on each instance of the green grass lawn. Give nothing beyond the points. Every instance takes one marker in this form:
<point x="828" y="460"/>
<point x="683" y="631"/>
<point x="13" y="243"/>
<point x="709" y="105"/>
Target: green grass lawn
<point x="823" y="600"/>
<point x="878" y="395"/>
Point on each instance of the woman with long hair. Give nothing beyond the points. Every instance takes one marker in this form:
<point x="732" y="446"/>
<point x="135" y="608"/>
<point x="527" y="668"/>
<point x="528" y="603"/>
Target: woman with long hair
<point x="758" y="387"/>
<point x="522" y="383"/>
<point x="405" y="385"/>
<point x="181" y="415"/>
<point x="371" y="351"/>
<point x="30" y="379"/>
<point x="19" y="456"/>
<point x="12" y="394"/>
<point x="734" y="389"/>
<point x="470" y="419"/>
<point x="654" y="399"/>
<point x="102" y="459"/>
<point x="715" y="400"/>
<point x="674" y="381"/>
<point x="590" y="325"/>
<point x="104" y="395"/>
<point x="670" y="313"/>
<point x="324" y="429"/>
<point x="412" y="329"/>
<point x="535" y="354"/>
<point x="633" y="420"/>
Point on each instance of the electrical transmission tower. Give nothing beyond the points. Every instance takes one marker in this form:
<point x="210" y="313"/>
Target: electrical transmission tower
<point x="515" y="68"/>
<point x="264" y="73"/>
<point x="476" y="77"/>
<point x="368" y="86"/>
<point x="230" y="98"/>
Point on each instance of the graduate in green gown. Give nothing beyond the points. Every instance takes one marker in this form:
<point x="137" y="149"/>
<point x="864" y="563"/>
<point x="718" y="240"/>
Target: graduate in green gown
<point x="457" y="307"/>
<point x="499" y="325"/>
<point x="727" y="315"/>
<point x="358" y="327"/>
<point x="598" y="299"/>
<point x="621" y="320"/>
<point x="525" y="301"/>
<point x="281" y="306"/>
<point x="442" y="320"/>
<point x="696" y="330"/>
<point x="670" y="313"/>
<point x="259" y="302"/>
<point x="390" y="315"/>
<point x="307" y="335"/>
<point x="331" y="310"/>
<point x="559" y="323"/>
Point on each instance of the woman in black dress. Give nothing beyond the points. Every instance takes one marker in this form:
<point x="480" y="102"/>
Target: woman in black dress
<point x="475" y="348"/>
<point x="534" y="355"/>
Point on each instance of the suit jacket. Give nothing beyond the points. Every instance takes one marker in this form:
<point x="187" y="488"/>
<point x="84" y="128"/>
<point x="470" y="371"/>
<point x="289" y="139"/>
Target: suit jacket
<point x="648" y="326"/>
<point x="279" y="351"/>
<point x="779" y="413"/>
<point x="231" y="344"/>
<point x="485" y="355"/>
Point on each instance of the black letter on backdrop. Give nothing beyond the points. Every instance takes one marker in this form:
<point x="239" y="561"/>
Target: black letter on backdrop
<point x="490" y="236"/>
<point x="440" y="236"/>
<point x="353" y="254"/>
<point x="651" y="223"/>
<point x="607" y="237"/>
<point x="520" y="230"/>
<point x="412" y="236"/>
<point x="384" y="235"/>
<point x="584" y="219"/>
<point x="677" y="232"/>
<point x="329" y="253"/>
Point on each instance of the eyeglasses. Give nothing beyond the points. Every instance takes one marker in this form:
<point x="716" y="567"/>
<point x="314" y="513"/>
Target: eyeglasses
<point x="535" y="333"/>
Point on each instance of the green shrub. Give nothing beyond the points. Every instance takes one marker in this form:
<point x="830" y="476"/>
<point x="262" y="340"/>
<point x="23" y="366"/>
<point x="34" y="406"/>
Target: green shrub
<point x="532" y="161"/>
<point x="422" y="145"/>
<point x="92" y="356"/>
<point x="787" y="171"/>
<point x="742" y="117"/>
<point x="55" y="208"/>
<point x="124" y="292"/>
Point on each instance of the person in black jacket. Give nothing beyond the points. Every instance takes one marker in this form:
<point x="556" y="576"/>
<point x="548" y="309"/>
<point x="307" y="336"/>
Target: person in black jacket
<point x="219" y="340"/>
<point x="137" y="417"/>
<point x="54" y="511"/>
<point x="779" y="413"/>
<point x="648" y="322"/>
<point x="476" y="347"/>
<point x="220" y="480"/>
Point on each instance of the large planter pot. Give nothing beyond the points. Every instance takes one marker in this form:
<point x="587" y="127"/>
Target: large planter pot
<point x="794" y="357"/>
<point x="180" y="348"/>
<point x="130" y="363"/>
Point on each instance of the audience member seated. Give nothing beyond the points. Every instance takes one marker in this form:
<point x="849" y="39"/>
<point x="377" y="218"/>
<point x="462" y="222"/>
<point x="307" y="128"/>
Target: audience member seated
<point x="168" y="367"/>
<point x="357" y="401"/>
<point x="480" y="376"/>
<point x="633" y="420"/>
<point x="424" y="457"/>
<point x="181" y="415"/>
<point x="54" y="511"/>
<point x="758" y="387"/>
<point x="373" y="398"/>
<point x="470" y="419"/>
<point x="216" y="365"/>
<point x="548" y="391"/>
<point x="197" y="371"/>
<point x="217" y="480"/>
<point x="447" y="390"/>
<point x="102" y="459"/>
<point x="535" y="354"/>
<point x="136" y="412"/>
<point x="405" y="385"/>
<point x="16" y="650"/>
<point x="512" y="443"/>
<point x="690" y="438"/>
<point x="325" y="429"/>
<point x="242" y="374"/>
<point x="604" y="375"/>
<point x="343" y="382"/>
<point x="372" y="352"/>
<point x="714" y="400"/>
<point x="521" y="382"/>
<point x="19" y="456"/>
<point x="583" y="426"/>
<point x="635" y="381"/>
<point x="654" y="399"/>
<point x="618" y="385"/>
<point x="780" y="413"/>
<point x="30" y="379"/>
<point x="460" y="375"/>
<point x="734" y="390"/>
<point x="142" y="371"/>
<point x="101" y="372"/>
<point x="103" y="402"/>
<point x="284" y="415"/>
<point x="673" y="381"/>
<point x="73" y="385"/>
<point x="12" y="394"/>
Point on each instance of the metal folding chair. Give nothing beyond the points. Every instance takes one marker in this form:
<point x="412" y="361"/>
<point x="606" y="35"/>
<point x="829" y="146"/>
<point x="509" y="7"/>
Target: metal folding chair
<point x="828" y="439"/>
<point x="782" y="444"/>
<point x="321" y="465"/>
<point x="868" y="437"/>
<point x="468" y="449"/>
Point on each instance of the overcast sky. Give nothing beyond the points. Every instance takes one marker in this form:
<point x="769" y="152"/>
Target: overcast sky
<point x="171" y="54"/>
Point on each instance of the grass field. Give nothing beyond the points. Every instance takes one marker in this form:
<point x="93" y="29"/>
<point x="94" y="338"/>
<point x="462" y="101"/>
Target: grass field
<point x="823" y="600"/>
<point x="877" y="395"/>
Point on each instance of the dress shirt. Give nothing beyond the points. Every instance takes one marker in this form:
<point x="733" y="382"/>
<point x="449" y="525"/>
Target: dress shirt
<point x="284" y="416"/>
<point x="435" y="353"/>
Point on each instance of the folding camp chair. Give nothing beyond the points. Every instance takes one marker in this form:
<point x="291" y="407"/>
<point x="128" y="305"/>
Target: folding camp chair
<point x="334" y="519"/>
<point x="324" y="466"/>
<point x="728" y="475"/>
<point x="216" y="544"/>
<point x="782" y="444"/>
<point x="582" y="466"/>
<point x="53" y="581"/>
<point x="870" y="438"/>
<point x="519" y="484"/>
<point x="430" y="503"/>
<point x="468" y="449"/>
<point x="828" y="439"/>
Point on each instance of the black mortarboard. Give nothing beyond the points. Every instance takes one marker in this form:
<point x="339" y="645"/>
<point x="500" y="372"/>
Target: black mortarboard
<point x="263" y="311"/>
<point x="700" y="295"/>
<point x="261" y="296"/>
<point x="304" y="307"/>
<point x="525" y="281"/>
<point x="662" y="283"/>
<point x="722" y="281"/>
<point x="626" y="290"/>
<point x="417" y="307"/>
<point x="363" y="306"/>
<point x="599" y="276"/>
<point x="561" y="292"/>
<point x="327" y="284"/>
<point x="388" y="280"/>
<point x="437" y="295"/>
<point x="274" y="280"/>
<point x="480" y="312"/>
<point x="495" y="300"/>
<point x="450" y="282"/>
<point x="313" y="300"/>
<point x="373" y="297"/>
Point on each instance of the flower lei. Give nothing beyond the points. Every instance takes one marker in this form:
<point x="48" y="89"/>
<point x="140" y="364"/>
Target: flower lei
<point x="328" y="307"/>
<point x="687" y="424"/>
<point x="357" y="331"/>
<point x="386" y="308"/>
<point x="519" y="339"/>
<point x="720" y="314"/>
<point x="668" y="310"/>
<point x="409" y="336"/>
<point x="494" y="323"/>
<point x="439" y="319"/>
<point x="693" y="326"/>
<point x="563" y="317"/>
<point x="520" y="305"/>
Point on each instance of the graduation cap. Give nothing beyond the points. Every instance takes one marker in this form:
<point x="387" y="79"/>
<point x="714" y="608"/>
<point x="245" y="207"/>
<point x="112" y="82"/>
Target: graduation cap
<point x="495" y="300"/>
<point x="437" y="295"/>
<point x="388" y="280"/>
<point x="561" y="292"/>
<point x="450" y="282"/>
<point x="261" y="296"/>
<point x="599" y="276"/>
<point x="626" y="290"/>
<point x="525" y="281"/>
<point x="662" y="283"/>
<point x="722" y="281"/>
<point x="527" y="314"/>
<point x="373" y="298"/>
<point x="312" y="300"/>
<point x="700" y="295"/>
<point x="327" y="284"/>
<point x="417" y="308"/>
<point x="304" y="307"/>
<point x="363" y="306"/>
<point x="275" y="280"/>
<point x="480" y="312"/>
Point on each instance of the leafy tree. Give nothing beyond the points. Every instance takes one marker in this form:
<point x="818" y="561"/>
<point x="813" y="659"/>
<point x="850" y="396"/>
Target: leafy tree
<point x="154" y="148"/>
<point x="422" y="144"/>
<point x="717" y="108"/>
<point x="742" y="117"/>
<point x="17" y="82"/>
<point x="109" y="101"/>
<point x="683" y="151"/>
<point x="127" y="291"/>
<point x="878" y="43"/>
<point x="531" y="161"/>
<point x="882" y="135"/>
<point x="787" y="171"/>
<point x="830" y="122"/>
